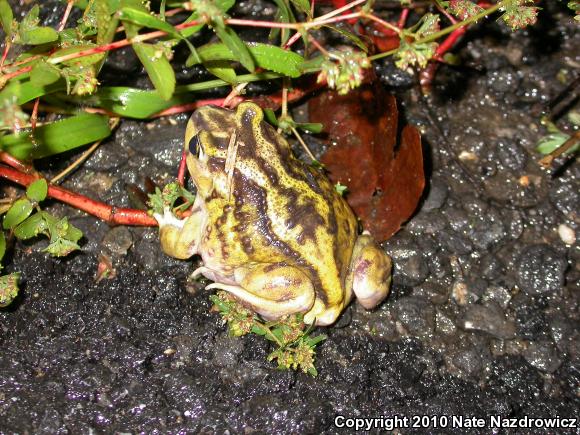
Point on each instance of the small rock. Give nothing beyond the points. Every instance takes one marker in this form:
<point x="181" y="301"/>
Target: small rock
<point x="437" y="195"/>
<point x="117" y="241"/>
<point x="410" y="267"/>
<point x="540" y="269"/>
<point x="567" y="234"/>
<point x="435" y="293"/>
<point x="489" y="318"/>
<point x="511" y="155"/>
<point x="416" y="314"/>
<point x="227" y="350"/>
<point x="543" y="356"/>
<point x="498" y="294"/>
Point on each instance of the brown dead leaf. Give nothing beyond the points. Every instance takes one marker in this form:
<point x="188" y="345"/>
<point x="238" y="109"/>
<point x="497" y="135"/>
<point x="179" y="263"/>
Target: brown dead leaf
<point x="384" y="182"/>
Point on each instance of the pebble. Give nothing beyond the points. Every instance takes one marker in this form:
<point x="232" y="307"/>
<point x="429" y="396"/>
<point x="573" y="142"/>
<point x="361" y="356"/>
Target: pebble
<point x="498" y="294"/>
<point x="416" y="314"/>
<point x="567" y="234"/>
<point x="511" y="155"/>
<point x="117" y="241"/>
<point x="437" y="195"/>
<point x="543" y="356"/>
<point x="410" y="268"/>
<point x="540" y="269"/>
<point x="488" y="318"/>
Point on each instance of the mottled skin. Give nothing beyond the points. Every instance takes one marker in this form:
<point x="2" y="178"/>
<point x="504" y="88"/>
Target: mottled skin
<point x="270" y="229"/>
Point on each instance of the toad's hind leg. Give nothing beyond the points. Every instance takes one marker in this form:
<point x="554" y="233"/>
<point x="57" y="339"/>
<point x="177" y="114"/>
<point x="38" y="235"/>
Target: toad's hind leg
<point x="271" y="290"/>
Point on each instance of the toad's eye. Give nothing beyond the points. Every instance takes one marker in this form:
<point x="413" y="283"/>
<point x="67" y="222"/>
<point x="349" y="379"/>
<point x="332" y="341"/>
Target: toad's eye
<point x="194" y="145"/>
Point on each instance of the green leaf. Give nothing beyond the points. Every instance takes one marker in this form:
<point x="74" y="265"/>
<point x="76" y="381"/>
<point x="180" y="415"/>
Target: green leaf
<point x="44" y="74"/>
<point x="283" y="15"/>
<point x="57" y="137"/>
<point x="266" y="56"/>
<point x="222" y="5"/>
<point x="351" y="36"/>
<point x="2" y="246"/>
<point x="270" y="116"/>
<point x="147" y="20"/>
<point x="134" y="103"/>
<point x="31" y="227"/>
<point x="158" y="68"/>
<point x="32" y="34"/>
<point x="63" y="236"/>
<point x="310" y="127"/>
<point x="550" y="142"/>
<point x="236" y="45"/>
<point x="303" y="6"/>
<point x="27" y="91"/>
<point x="106" y="24"/>
<point x="38" y="36"/>
<point x="19" y="211"/>
<point x="6" y="17"/>
<point x="222" y="70"/>
<point x="37" y="191"/>
<point x="8" y="288"/>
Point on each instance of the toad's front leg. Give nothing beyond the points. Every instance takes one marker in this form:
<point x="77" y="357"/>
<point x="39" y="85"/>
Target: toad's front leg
<point x="369" y="273"/>
<point x="271" y="290"/>
<point x="180" y="238"/>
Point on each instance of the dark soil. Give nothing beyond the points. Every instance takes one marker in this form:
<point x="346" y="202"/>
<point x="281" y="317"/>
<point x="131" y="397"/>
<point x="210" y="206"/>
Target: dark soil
<point x="482" y="320"/>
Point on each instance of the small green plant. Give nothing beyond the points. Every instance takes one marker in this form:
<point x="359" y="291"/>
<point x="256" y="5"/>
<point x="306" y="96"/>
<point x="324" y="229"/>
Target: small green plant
<point x="294" y="343"/>
<point x="24" y="219"/>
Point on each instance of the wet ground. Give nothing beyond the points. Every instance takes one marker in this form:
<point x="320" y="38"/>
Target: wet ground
<point x="482" y="320"/>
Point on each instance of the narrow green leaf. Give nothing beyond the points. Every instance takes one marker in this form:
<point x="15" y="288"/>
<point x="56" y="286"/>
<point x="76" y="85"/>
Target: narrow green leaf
<point x="135" y="103"/>
<point x="27" y="91"/>
<point x="44" y="74"/>
<point x="283" y="15"/>
<point x="237" y="46"/>
<point x="106" y="23"/>
<point x="310" y="127"/>
<point x="222" y="70"/>
<point x="8" y="288"/>
<point x="552" y="141"/>
<point x="37" y="191"/>
<point x="31" y="227"/>
<point x="6" y="17"/>
<point x="312" y="65"/>
<point x="19" y="211"/>
<point x="303" y="6"/>
<point x="222" y="5"/>
<point x="270" y="116"/>
<point x="2" y="246"/>
<point x="158" y="68"/>
<point x="57" y="137"/>
<point x="266" y="56"/>
<point x="351" y="36"/>
<point x="147" y="20"/>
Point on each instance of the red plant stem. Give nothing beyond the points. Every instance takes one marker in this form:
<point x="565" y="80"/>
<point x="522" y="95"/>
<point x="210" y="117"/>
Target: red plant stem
<point x="182" y="168"/>
<point x="15" y="163"/>
<point x="69" y="6"/>
<point x="5" y="54"/>
<point x="403" y="18"/>
<point x="8" y="76"/>
<point x="34" y="115"/>
<point x="110" y="214"/>
<point x="426" y="76"/>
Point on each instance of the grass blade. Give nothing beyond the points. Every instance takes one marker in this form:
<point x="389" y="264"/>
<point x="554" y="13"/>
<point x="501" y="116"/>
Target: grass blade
<point x="58" y="137"/>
